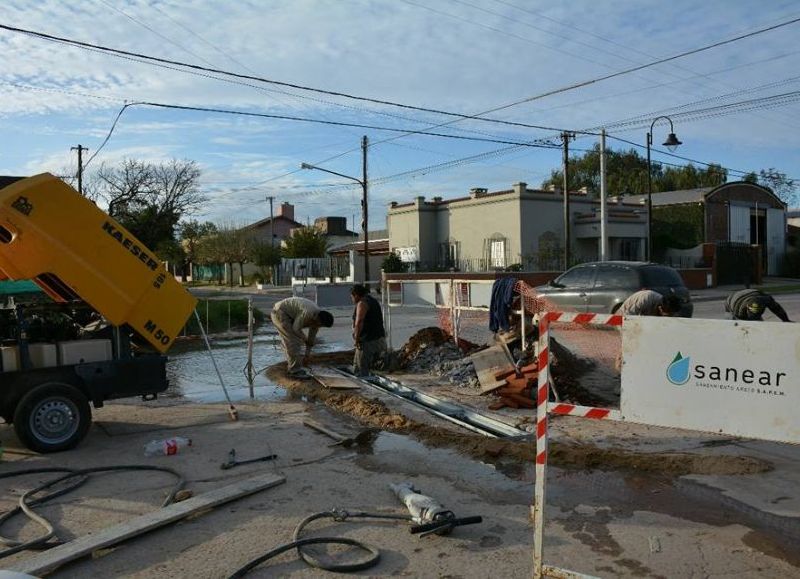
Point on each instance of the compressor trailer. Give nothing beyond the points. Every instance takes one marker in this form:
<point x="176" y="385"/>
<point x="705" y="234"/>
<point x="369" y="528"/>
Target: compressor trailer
<point x="46" y="388"/>
<point x="82" y="259"/>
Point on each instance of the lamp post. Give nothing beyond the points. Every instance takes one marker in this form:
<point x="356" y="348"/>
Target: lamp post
<point x="671" y="143"/>
<point x="364" y="214"/>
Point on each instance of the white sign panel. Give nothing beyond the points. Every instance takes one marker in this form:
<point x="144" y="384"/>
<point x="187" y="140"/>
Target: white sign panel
<point x="737" y="378"/>
<point x="407" y="254"/>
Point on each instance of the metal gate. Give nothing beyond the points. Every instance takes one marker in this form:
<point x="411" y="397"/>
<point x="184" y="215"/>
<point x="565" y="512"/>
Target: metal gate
<point x="735" y="264"/>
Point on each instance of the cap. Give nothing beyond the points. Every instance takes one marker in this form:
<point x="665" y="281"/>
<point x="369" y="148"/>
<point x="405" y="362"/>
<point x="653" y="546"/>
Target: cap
<point x="755" y="308"/>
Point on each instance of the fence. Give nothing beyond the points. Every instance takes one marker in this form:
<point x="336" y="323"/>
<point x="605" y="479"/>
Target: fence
<point x="326" y="268"/>
<point x="462" y="304"/>
<point x="220" y="316"/>
<point x="532" y="263"/>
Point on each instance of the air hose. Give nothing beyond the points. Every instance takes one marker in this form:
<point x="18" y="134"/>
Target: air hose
<point x="72" y="479"/>
<point x="329" y="564"/>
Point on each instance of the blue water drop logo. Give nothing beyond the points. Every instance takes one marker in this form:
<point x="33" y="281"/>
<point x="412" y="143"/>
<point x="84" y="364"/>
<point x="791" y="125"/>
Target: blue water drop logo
<point x="678" y="371"/>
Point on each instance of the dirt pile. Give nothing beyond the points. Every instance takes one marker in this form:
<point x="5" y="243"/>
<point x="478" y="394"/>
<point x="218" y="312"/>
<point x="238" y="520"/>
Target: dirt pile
<point x="566" y="369"/>
<point x="432" y="351"/>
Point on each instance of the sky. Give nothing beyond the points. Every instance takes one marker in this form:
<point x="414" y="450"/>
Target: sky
<point x="735" y="104"/>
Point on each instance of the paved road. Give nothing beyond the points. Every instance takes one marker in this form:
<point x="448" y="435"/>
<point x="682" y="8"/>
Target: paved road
<point x="715" y="310"/>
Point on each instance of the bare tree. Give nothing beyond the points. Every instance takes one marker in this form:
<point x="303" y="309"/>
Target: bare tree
<point x="150" y="198"/>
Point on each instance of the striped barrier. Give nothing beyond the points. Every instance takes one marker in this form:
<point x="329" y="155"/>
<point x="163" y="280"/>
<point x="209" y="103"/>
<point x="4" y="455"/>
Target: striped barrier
<point x="543" y="408"/>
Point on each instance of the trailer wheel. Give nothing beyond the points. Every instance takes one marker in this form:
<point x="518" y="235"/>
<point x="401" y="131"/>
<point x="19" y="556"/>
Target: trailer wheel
<point x="52" y="417"/>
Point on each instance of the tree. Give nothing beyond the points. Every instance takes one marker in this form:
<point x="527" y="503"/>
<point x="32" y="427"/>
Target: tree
<point x="149" y="199"/>
<point x="306" y="242"/>
<point x="191" y="235"/>
<point x="777" y="182"/>
<point x="393" y="264"/>
<point x="627" y="174"/>
<point x="266" y="257"/>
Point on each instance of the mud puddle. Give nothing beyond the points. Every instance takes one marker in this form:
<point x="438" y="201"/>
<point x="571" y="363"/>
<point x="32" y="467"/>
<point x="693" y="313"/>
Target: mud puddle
<point x="409" y="458"/>
<point x="192" y="377"/>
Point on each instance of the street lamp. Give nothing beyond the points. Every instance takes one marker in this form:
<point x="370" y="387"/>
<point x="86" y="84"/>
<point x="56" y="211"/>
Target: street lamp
<point x="364" y="214"/>
<point x="671" y="143"/>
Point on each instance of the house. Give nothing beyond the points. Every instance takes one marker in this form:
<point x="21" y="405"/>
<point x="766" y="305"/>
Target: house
<point x="738" y="212"/>
<point x="335" y="230"/>
<point x="280" y="227"/>
<point x="494" y="230"/>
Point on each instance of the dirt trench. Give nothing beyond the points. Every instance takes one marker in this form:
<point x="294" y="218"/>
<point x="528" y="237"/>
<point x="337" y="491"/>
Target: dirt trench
<point x="374" y="413"/>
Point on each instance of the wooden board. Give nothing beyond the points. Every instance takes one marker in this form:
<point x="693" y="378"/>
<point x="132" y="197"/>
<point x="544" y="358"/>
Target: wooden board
<point x="52" y="559"/>
<point x="331" y="379"/>
<point x="487" y="363"/>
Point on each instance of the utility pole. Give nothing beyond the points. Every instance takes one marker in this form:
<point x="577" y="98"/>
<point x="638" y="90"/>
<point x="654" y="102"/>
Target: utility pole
<point x="273" y="269"/>
<point x="271" y="222"/>
<point x="565" y="137"/>
<point x="603" y="207"/>
<point x="365" y="208"/>
<point x="80" y="148"/>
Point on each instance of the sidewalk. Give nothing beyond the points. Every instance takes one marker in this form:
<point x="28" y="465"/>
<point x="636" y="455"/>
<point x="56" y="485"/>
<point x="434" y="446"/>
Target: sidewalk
<point x="770" y="285"/>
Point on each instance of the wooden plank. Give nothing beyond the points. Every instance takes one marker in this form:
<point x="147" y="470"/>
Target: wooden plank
<point x="333" y="380"/>
<point x="487" y="363"/>
<point x="52" y="559"/>
<point x="319" y="428"/>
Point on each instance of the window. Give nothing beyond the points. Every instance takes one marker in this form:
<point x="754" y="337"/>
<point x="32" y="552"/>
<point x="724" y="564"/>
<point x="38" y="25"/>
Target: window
<point x="660" y="276"/>
<point x="497" y="252"/>
<point x="577" y="277"/>
<point x="629" y="248"/>
<point x="448" y="253"/>
<point x="616" y="277"/>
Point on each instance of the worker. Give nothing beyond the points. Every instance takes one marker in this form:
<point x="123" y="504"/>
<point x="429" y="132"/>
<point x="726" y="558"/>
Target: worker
<point x="749" y="304"/>
<point x="650" y="303"/>
<point x="290" y="317"/>
<point x="369" y="335"/>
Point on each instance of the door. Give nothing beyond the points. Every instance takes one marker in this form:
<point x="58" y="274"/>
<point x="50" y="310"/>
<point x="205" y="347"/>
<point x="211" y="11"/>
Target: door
<point x="612" y="286"/>
<point x="739" y="223"/>
<point x="776" y="240"/>
<point x="571" y="289"/>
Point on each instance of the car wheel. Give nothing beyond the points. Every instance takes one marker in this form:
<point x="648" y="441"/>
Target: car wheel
<point x="52" y="417"/>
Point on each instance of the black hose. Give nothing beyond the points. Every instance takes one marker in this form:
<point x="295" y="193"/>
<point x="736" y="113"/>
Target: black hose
<point x="331" y="565"/>
<point x="27" y="501"/>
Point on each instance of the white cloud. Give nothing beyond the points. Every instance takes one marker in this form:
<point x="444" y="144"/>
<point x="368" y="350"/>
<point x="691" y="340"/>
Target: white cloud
<point x="469" y="61"/>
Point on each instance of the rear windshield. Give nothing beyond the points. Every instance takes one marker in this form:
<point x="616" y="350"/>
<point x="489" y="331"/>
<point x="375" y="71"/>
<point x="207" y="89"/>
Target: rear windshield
<point x="655" y="276"/>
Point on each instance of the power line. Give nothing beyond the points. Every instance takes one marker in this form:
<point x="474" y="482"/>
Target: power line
<point x="478" y="116"/>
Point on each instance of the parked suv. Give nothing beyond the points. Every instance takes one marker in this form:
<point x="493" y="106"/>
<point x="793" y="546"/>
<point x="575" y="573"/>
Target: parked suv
<point x="601" y="287"/>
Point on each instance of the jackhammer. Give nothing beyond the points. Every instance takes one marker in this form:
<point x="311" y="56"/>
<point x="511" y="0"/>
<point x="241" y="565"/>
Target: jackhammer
<point x="430" y="517"/>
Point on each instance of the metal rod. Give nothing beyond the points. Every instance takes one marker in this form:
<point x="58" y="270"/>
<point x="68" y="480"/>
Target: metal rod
<point x="250" y="373"/>
<point x="213" y="360"/>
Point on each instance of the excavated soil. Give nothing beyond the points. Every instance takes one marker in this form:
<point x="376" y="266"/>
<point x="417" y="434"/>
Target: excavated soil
<point x="566" y="369"/>
<point x="419" y="341"/>
<point x="374" y="413"/>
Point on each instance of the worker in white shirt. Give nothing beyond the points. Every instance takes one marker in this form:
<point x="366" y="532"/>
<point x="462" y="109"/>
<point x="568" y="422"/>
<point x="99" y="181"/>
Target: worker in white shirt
<point x="650" y="303"/>
<point x="290" y="317"/>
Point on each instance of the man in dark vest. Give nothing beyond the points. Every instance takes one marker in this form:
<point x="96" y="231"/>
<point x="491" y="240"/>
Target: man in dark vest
<point x="368" y="332"/>
<point x="750" y="304"/>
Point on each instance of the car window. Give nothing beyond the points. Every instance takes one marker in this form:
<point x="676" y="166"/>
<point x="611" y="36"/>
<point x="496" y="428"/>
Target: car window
<point x="616" y="276"/>
<point x="659" y="276"/>
<point x="577" y="277"/>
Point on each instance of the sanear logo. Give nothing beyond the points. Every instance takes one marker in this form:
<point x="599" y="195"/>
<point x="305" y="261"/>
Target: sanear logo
<point x="678" y="372"/>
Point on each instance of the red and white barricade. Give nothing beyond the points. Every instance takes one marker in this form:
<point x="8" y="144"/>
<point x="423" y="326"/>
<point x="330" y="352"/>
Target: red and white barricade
<point x="543" y="408"/>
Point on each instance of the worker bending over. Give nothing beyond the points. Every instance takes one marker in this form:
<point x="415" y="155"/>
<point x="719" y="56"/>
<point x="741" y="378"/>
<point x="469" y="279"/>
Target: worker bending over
<point x="290" y="317"/>
<point x="650" y="303"/>
<point x="369" y="335"/>
<point x="749" y="304"/>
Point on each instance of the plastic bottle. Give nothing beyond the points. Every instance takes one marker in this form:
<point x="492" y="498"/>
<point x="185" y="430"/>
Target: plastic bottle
<point x="166" y="447"/>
